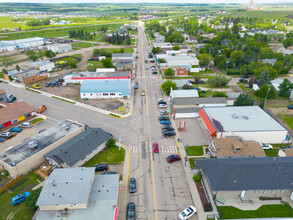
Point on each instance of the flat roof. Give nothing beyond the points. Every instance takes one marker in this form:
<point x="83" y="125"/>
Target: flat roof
<point x="102" y="75"/>
<point x="187" y="110"/>
<point x="13" y="111"/>
<point x="197" y="101"/>
<point x="188" y="93"/>
<point x="103" y="197"/>
<point x="165" y="44"/>
<point x="16" y="154"/>
<point x="129" y="55"/>
<point x="242" y="118"/>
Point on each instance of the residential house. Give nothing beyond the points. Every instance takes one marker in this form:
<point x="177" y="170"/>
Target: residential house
<point x="201" y="32"/>
<point x="256" y="31"/>
<point x="278" y="48"/>
<point x="200" y="46"/>
<point x="191" y="39"/>
<point x="269" y="61"/>
<point x="274" y="32"/>
<point x="160" y="38"/>
<point x="209" y="35"/>
<point x="286" y="152"/>
<point x="122" y="58"/>
<point x="181" y="82"/>
<point x="225" y="42"/>
<point x="181" y="30"/>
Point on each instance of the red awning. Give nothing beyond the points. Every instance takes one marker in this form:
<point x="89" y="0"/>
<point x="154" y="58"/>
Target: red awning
<point x="211" y="129"/>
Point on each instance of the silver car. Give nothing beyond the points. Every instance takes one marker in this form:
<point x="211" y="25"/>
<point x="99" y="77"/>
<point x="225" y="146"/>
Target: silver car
<point x="162" y="106"/>
<point x="5" y="134"/>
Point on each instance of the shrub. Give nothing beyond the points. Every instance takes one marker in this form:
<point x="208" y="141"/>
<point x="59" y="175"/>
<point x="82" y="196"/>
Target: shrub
<point x="233" y="72"/>
<point x="111" y="142"/>
<point x="32" y="199"/>
<point x="220" y="94"/>
<point x="6" y="173"/>
<point x="197" y="177"/>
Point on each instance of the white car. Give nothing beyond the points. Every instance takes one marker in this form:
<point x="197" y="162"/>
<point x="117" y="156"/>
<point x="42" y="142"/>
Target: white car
<point x="25" y="125"/>
<point x="187" y="213"/>
<point x="266" y="146"/>
<point x="162" y="106"/>
<point x="146" y="68"/>
<point x="5" y="134"/>
<point x="64" y="84"/>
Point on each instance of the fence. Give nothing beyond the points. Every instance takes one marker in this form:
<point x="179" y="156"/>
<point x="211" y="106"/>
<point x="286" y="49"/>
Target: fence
<point x="10" y="183"/>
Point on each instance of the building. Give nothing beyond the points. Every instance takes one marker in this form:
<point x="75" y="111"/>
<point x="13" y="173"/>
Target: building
<point x="28" y="75"/>
<point x="42" y="65"/>
<point x="278" y="48"/>
<point x="163" y="45"/>
<point x="235" y="148"/>
<point x="60" y="48"/>
<point x="225" y="42"/>
<point x="105" y="88"/>
<point x="189" y="93"/>
<point x="243" y="121"/>
<point x="124" y="66"/>
<point x="269" y="61"/>
<point x="78" y="193"/>
<point x="247" y="179"/>
<point x="80" y="149"/>
<point x="122" y="58"/>
<point x="181" y="82"/>
<point x="22" y="158"/>
<point x="13" y="114"/>
<point x="191" y="39"/>
<point x="185" y="61"/>
<point x="285" y="152"/>
<point x="26" y="43"/>
<point x="3" y="97"/>
<point x="160" y="38"/>
<point x="6" y="47"/>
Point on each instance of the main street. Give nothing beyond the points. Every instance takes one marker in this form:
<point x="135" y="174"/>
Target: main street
<point x="162" y="189"/>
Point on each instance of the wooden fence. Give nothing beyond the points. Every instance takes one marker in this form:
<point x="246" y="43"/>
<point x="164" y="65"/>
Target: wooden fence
<point x="10" y="183"/>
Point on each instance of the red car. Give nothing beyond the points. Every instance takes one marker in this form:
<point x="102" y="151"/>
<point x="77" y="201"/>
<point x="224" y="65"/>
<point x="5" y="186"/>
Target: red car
<point x="156" y="147"/>
<point x="41" y="109"/>
<point x="173" y="158"/>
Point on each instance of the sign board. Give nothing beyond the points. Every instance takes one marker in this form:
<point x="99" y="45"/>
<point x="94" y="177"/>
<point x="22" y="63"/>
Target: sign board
<point x="120" y="108"/>
<point x="181" y="126"/>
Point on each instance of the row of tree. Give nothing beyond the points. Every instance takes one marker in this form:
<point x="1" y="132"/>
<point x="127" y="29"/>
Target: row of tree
<point x="81" y="34"/>
<point x="38" y="22"/>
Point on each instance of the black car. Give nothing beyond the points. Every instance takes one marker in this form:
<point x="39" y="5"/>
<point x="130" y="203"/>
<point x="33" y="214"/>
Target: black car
<point x="243" y="80"/>
<point x="58" y="80"/>
<point x="109" y="172"/>
<point x="150" y="56"/>
<point x="162" y="102"/>
<point x="245" y="77"/>
<point x="154" y="72"/>
<point x="290" y="106"/>
<point x="132" y="185"/>
<point x="169" y="133"/>
<point x="146" y="61"/>
<point x="11" y="99"/>
<point x="190" y="81"/>
<point x="130" y="213"/>
<point x="167" y="129"/>
<point x="202" y="81"/>
<point x="53" y="84"/>
<point x="163" y="118"/>
<point x="152" y="67"/>
<point x="48" y="84"/>
<point x="101" y="167"/>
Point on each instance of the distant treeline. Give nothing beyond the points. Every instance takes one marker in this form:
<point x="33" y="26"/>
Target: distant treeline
<point x="37" y="22"/>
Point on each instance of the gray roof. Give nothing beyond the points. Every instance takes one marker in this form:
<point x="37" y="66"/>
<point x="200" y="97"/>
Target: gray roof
<point x="117" y="55"/>
<point x="187" y="110"/>
<point x="258" y="173"/>
<point x="181" y="82"/>
<point x="233" y="95"/>
<point x="67" y="186"/>
<point x="115" y="74"/>
<point x="197" y="101"/>
<point x="79" y="147"/>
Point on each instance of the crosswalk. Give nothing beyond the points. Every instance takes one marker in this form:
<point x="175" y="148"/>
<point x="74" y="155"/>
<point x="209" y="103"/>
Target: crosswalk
<point x="162" y="149"/>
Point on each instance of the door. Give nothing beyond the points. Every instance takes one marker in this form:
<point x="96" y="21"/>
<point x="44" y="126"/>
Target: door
<point x="242" y="194"/>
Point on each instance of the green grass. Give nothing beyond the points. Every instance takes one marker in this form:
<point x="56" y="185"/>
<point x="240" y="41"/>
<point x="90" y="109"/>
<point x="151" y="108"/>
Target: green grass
<point x="83" y="45"/>
<point x="191" y="162"/>
<point x="110" y="155"/>
<point x="36" y="120"/>
<point x="32" y="90"/>
<point x="265" y="211"/>
<point x="94" y="64"/>
<point x="194" y="150"/>
<point x="55" y="97"/>
<point x="114" y="115"/>
<point x="117" y="50"/>
<point x="288" y="119"/>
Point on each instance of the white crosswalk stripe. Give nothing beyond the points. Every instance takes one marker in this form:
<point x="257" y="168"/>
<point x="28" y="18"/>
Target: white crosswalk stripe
<point x="162" y="148"/>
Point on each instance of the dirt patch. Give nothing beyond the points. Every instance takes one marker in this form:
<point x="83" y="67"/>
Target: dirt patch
<point x="11" y="216"/>
<point x="281" y="111"/>
<point x="28" y="188"/>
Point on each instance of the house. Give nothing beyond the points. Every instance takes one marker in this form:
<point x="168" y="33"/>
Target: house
<point x="274" y="32"/>
<point x="79" y="149"/>
<point x="235" y="148"/>
<point x="209" y="36"/>
<point x="122" y="58"/>
<point x="287" y="52"/>
<point x="124" y="66"/>
<point x="181" y="72"/>
<point x="269" y="61"/>
<point x="285" y="152"/>
<point x="189" y="93"/>
<point x="278" y="48"/>
<point x="200" y="46"/>
<point x="243" y="121"/>
<point x="121" y="30"/>
<point x="26" y="43"/>
<point x="191" y="39"/>
<point x="256" y="31"/>
<point x="181" y="82"/>
<point x="245" y="180"/>
<point x="42" y="65"/>
<point x="232" y="96"/>
<point x="225" y="42"/>
<point x="276" y="84"/>
<point x="201" y="32"/>
<point x="13" y="114"/>
<point x="78" y="193"/>
<point x="22" y="158"/>
<point x="160" y="38"/>
<point x="60" y="48"/>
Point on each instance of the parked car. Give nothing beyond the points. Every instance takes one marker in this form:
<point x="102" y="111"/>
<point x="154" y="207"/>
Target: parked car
<point x="164" y="112"/>
<point x="266" y="146"/>
<point x="25" y="125"/>
<point x="162" y="106"/>
<point x="109" y="172"/>
<point x="187" y="213"/>
<point x="48" y="84"/>
<point x="19" y="198"/>
<point x="172" y="158"/>
<point x="136" y="57"/>
<point x="155" y="147"/>
<point x="15" y="129"/>
<point x="163" y="118"/>
<point x="146" y="68"/>
<point x="9" y="96"/>
<point x="1" y="139"/>
<point x="167" y="129"/>
<point x="36" y="86"/>
<point x="146" y="61"/>
<point x="290" y="106"/>
<point x="162" y="102"/>
<point x="136" y="86"/>
<point x="101" y="167"/>
<point x="202" y="81"/>
<point x="64" y="84"/>
<point x="142" y="92"/>
<point x="12" y="99"/>
<point x="5" y="134"/>
<point x="154" y="72"/>
<point x="243" y="80"/>
<point x="153" y="67"/>
<point x="130" y="213"/>
<point x="41" y="109"/>
<point x="287" y="147"/>
<point x="150" y="56"/>
<point x="152" y="61"/>
<point x="190" y="81"/>
<point x="169" y="133"/>
<point x="165" y="122"/>
<point x="245" y="77"/>
<point x="132" y="185"/>
<point x="53" y="84"/>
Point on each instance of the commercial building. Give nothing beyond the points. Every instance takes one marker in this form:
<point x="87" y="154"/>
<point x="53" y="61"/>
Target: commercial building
<point x="164" y="45"/>
<point x="3" y="97"/>
<point x="6" y="47"/>
<point x="245" y="180"/>
<point x="246" y="122"/>
<point x="80" y="149"/>
<point x="25" y="43"/>
<point x="122" y="58"/>
<point x="182" y="60"/>
<point x="60" y="48"/>
<point x="28" y="75"/>
<point x="22" y="158"/>
<point x="78" y="193"/>
<point x="42" y="65"/>
<point x="188" y="93"/>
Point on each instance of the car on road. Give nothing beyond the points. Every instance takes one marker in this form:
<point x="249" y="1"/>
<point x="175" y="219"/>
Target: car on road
<point x="153" y="67"/>
<point x="163" y="118"/>
<point x="150" y="56"/>
<point x="290" y="106"/>
<point x="136" y="57"/>
<point x="101" y="167"/>
<point x="5" y="134"/>
<point x="165" y="122"/>
<point x="130" y="212"/>
<point x="25" y="125"/>
<point x="146" y="61"/>
<point x="41" y="109"/>
<point x="48" y="84"/>
<point x="11" y="99"/>
<point x="154" y="72"/>
<point x="164" y="112"/>
<point x="155" y="147"/>
<point x="64" y="84"/>
<point x="132" y="185"/>
<point x="162" y="102"/>
<point x="15" y="129"/>
<point x="109" y="172"/>
<point x="136" y="86"/>
<point x="36" y="86"/>
<point x="152" y="61"/>
<point x="169" y="133"/>
<point x="162" y="106"/>
<point x="173" y="158"/>
<point x="266" y="146"/>
<point x="1" y="139"/>
<point x="19" y="198"/>
<point x="187" y="213"/>
<point x="167" y="129"/>
<point x="142" y="92"/>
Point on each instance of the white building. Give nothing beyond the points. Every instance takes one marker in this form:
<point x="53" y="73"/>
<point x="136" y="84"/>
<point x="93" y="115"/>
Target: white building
<point x="42" y="65"/>
<point x="164" y="45"/>
<point x="60" y="48"/>
<point x="105" y="70"/>
<point x="122" y="57"/>
<point x="6" y="47"/>
<point x="26" y="43"/>
<point x="188" y="93"/>
<point x="160" y="38"/>
<point x="183" y="60"/>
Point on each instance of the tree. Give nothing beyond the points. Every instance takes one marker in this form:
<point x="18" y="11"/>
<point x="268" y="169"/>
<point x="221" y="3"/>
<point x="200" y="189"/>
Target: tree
<point x="169" y="72"/>
<point x="110" y="143"/>
<point x="285" y="88"/>
<point x="107" y="63"/>
<point x="244" y="100"/>
<point x="166" y="86"/>
<point x="41" y="54"/>
<point x="4" y="71"/>
<point x="50" y="54"/>
<point x="264" y="93"/>
<point x="218" y="81"/>
<point x="32" y="55"/>
<point x="237" y="57"/>
<point x="32" y="199"/>
<point x="186" y="86"/>
<point x="162" y="60"/>
<point x="205" y="59"/>
<point x="261" y="103"/>
<point x="128" y="40"/>
<point x="220" y="94"/>
<point x="156" y="50"/>
<point x="17" y="68"/>
<point x="264" y="77"/>
<point x="176" y="47"/>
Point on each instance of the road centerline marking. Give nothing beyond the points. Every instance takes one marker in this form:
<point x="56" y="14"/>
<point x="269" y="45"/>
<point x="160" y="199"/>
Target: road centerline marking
<point x="154" y="185"/>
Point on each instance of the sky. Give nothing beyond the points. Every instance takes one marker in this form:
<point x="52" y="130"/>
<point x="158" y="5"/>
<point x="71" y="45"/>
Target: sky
<point x="150" y="1"/>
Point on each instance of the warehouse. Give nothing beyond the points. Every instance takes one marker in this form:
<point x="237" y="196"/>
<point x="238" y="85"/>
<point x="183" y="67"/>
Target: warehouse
<point x="26" y="43"/>
<point x="6" y="47"/>
<point x="246" y="122"/>
<point x="60" y="48"/>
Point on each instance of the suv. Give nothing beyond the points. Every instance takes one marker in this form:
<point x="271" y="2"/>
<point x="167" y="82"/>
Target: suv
<point x="136" y="86"/>
<point x="101" y="167"/>
<point x="169" y="133"/>
<point x="146" y="61"/>
<point x="162" y="102"/>
<point x="163" y="118"/>
<point x="132" y="185"/>
<point x="11" y="99"/>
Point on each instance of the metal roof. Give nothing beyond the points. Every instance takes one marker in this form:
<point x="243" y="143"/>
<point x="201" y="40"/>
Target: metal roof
<point x="106" y="85"/>
<point x="187" y="110"/>
<point x="79" y="147"/>
<point x="242" y="118"/>
<point x="258" y="173"/>
<point x="115" y="74"/>
<point x="118" y="55"/>
<point x="188" y="93"/>
<point x="197" y="101"/>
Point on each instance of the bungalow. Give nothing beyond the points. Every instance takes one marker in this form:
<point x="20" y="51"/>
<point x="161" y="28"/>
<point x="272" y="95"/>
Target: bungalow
<point x="269" y="61"/>
<point x="191" y="39"/>
<point x="201" y="31"/>
<point x="278" y="48"/>
<point x="160" y="38"/>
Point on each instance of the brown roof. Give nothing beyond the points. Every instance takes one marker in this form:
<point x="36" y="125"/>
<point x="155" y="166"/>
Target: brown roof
<point x="2" y="91"/>
<point x="14" y="111"/>
<point x="233" y="147"/>
<point x="288" y="152"/>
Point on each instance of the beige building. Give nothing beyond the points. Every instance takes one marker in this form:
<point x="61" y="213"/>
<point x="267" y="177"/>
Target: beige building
<point x="285" y="152"/>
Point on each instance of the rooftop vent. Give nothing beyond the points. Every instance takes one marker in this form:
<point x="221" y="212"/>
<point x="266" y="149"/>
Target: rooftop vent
<point x="245" y="117"/>
<point x="66" y="126"/>
<point x="54" y="183"/>
<point x="33" y="145"/>
<point x="235" y="116"/>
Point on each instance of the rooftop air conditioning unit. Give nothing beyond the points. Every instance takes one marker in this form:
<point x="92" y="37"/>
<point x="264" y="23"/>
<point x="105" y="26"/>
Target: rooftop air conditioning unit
<point x="235" y="116"/>
<point x="245" y="117"/>
<point x="33" y="145"/>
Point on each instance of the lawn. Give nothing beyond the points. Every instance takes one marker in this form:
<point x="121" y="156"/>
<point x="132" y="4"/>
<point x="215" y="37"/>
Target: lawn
<point x="288" y="119"/>
<point x="110" y="155"/>
<point x="79" y="45"/>
<point x="93" y="65"/>
<point x="118" y="50"/>
<point x="191" y="162"/>
<point x="265" y="211"/>
<point x="36" y="120"/>
<point x="194" y="150"/>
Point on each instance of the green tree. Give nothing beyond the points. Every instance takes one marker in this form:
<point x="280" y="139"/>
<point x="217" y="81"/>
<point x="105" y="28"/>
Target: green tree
<point x="237" y="57"/>
<point x="220" y="94"/>
<point x="17" y="68"/>
<point x="218" y="81"/>
<point x="32" y="199"/>
<point x="197" y="79"/>
<point x="41" y="54"/>
<point x="128" y="40"/>
<point x="244" y="100"/>
<point x="110" y="143"/>
<point x="156" y="50"/>
<point x="162" y="60"/>
<point x="50" y="54"/>
<point x="169" y="72"/>
<point x="176" y="47"/>
<point x="285" y="88"/>
<point x="107" y="63"/>
<point x="186" y="86"/>
<point x="4" y="71"/>
<point x="266" y="92"/>
<point x="264" y="77"/>
<point x="262" y="103"/>
<point x="166" y="86"/>
<point x="205" y="59"/>
<point x="32" y="55"/>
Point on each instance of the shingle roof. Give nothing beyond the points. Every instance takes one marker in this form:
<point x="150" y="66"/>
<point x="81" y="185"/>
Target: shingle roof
<point x="258" y="173"/>
<point x="79" y="147"/>
<point x="14" y="111"/>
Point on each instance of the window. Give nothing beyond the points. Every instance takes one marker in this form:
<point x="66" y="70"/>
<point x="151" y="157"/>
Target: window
<point x="112" y="93"/>
<point x="273" y="191"/>
<point x="105" y="94"/>
<point x="83" y="94"/>
<point x="282" y="191"/>
<point x="91" y="94"/>
<point x="256" y="192"/>
<point x="265" y="191"/>
<point x="56" y="205"/>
